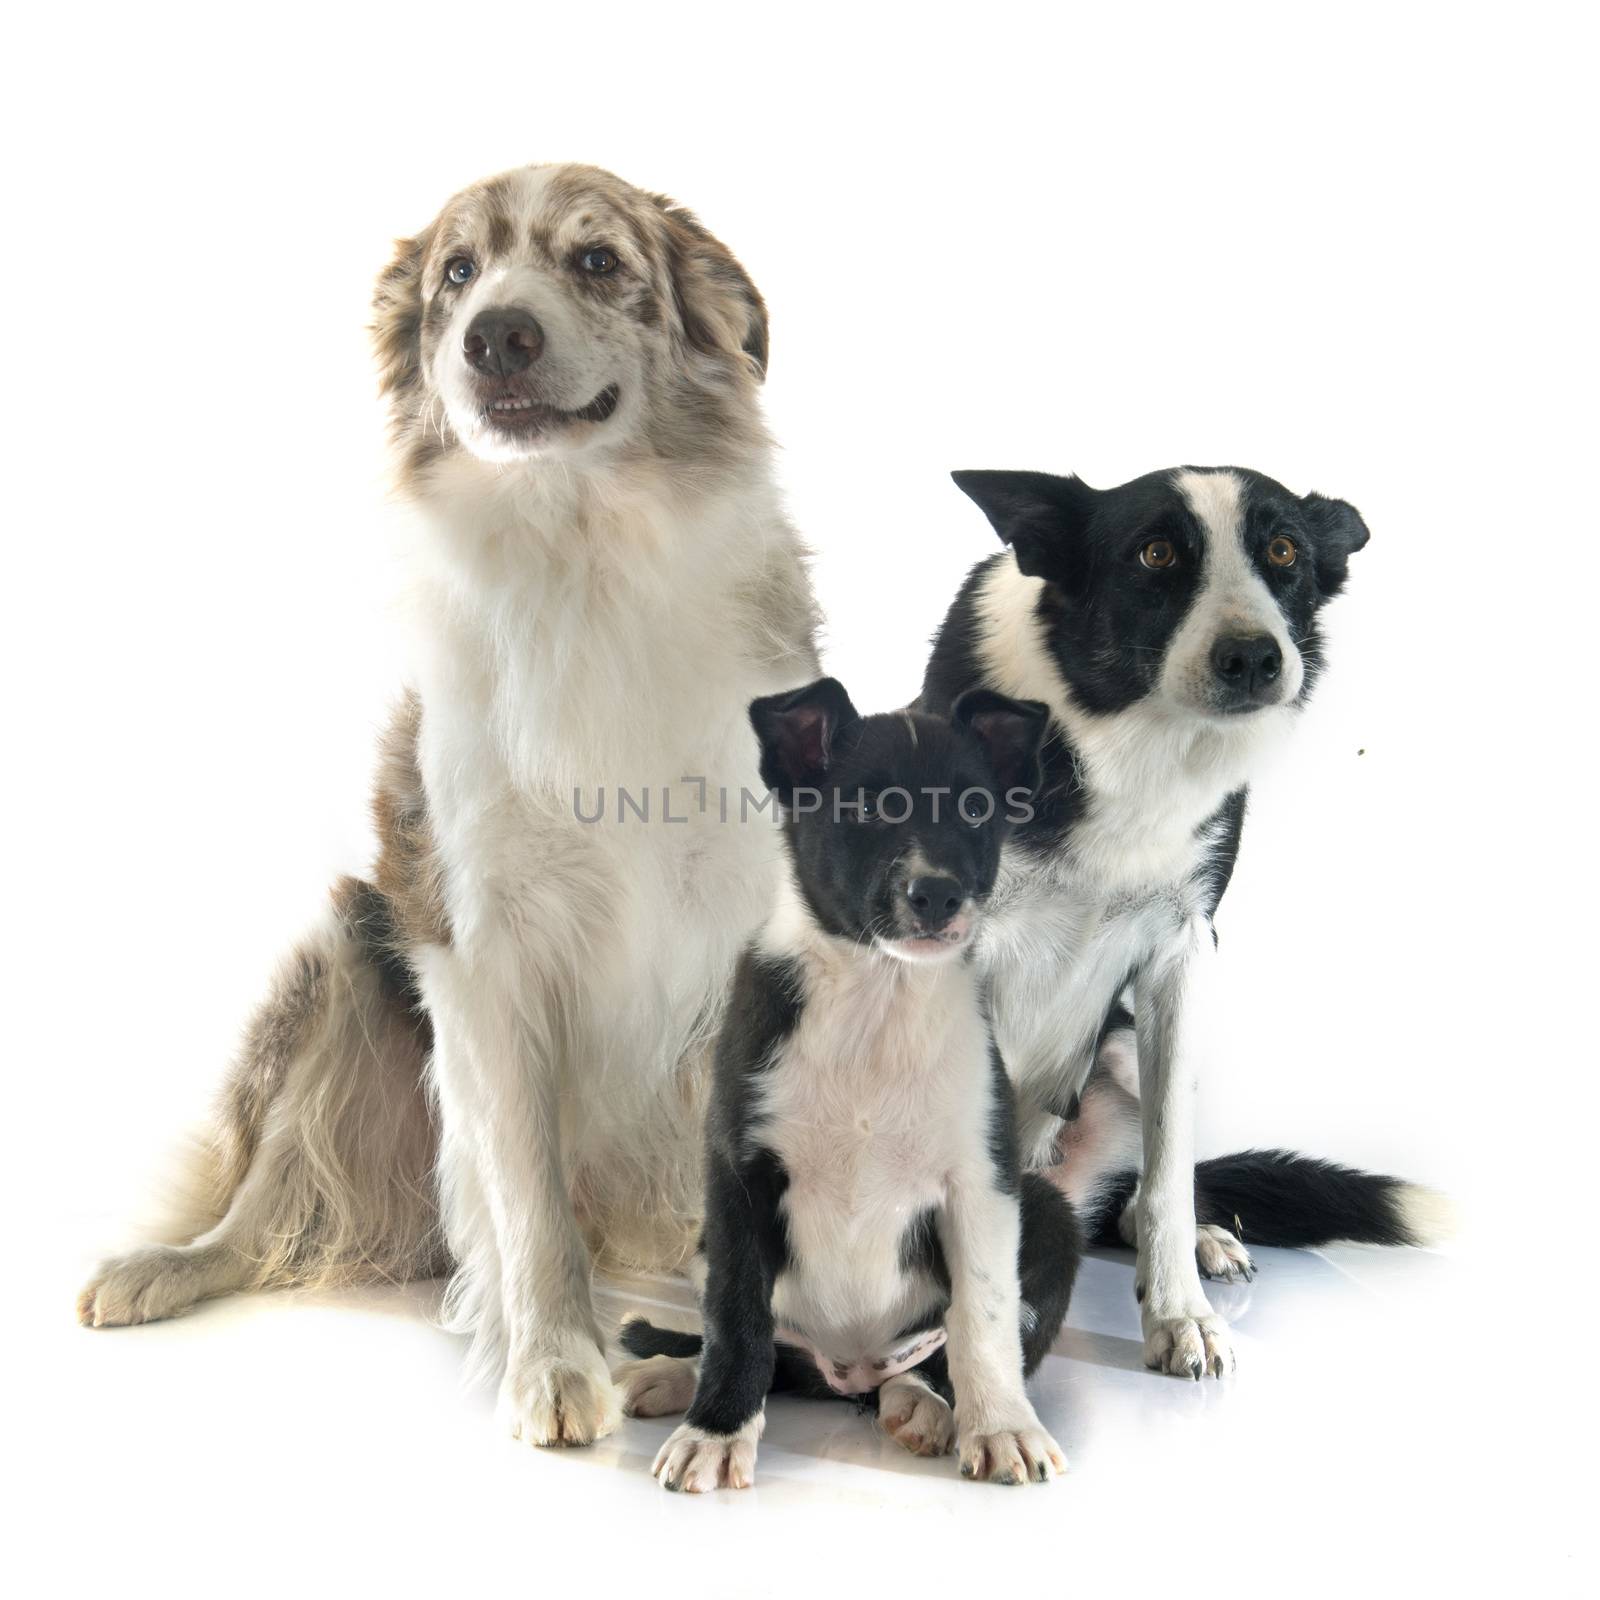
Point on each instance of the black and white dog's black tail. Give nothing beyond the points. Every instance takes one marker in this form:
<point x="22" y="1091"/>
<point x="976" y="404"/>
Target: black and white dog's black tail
<point x="643" y="1339"/>
<point x="1275" y="1197"/>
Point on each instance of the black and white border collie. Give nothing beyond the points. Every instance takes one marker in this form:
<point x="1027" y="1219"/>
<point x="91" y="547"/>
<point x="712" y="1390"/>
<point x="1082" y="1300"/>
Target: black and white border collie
<point x="1170" y="625"/>
<point x="868" y="1230"/>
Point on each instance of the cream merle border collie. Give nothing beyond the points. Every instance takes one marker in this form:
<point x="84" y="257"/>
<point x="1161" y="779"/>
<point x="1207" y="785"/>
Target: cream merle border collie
<point x="607" y="579"/>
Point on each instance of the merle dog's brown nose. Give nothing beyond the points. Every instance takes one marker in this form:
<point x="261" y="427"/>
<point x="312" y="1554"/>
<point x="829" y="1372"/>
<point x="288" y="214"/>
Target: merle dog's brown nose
<point x="502" y="342"/>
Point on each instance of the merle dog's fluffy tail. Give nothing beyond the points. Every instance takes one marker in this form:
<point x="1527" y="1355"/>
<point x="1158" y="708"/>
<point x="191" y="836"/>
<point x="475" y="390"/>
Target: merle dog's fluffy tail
<point x="643" y="1339"/>
<point x="1275" y="1197"/>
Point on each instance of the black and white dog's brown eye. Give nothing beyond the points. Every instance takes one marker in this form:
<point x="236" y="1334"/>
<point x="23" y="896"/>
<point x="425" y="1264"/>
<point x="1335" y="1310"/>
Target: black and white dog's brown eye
<point x="459" y="268"/>
<point x="598" y="260"/>
<point x="1281" y="552"/>
<point x="976" y="808"/>
<point x="1159" y="554"/>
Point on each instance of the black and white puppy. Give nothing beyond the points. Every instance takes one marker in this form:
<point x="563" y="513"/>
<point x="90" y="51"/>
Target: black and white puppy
<point x="867" y="1230"/>
<point x="1170" y="625"/>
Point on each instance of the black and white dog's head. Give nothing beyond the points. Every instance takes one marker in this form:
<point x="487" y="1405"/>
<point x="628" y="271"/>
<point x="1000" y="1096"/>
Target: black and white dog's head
<point x="1197" y="587"/>
<point x="894" y="823"/>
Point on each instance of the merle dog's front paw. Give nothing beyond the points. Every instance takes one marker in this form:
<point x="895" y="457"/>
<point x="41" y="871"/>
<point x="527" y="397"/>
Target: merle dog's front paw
<point x="562" y="1399"/>
<point x="694" y="1461"/>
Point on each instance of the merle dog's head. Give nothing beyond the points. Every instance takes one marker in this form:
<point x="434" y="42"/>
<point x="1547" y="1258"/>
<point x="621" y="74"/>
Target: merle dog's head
<point x="894" y="823"/>
<point x="1198" y="586"/>
<point x="556" y="312"/>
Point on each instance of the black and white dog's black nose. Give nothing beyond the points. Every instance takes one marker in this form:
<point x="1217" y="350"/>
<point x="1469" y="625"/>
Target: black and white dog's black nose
<point x="1247" y="666"/>
<point x="502" y="341"/>
<point x="934" y="900"/>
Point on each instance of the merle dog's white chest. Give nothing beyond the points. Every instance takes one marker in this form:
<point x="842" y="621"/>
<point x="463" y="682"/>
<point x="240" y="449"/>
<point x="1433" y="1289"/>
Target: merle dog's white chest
<point x="878" y="1098"/>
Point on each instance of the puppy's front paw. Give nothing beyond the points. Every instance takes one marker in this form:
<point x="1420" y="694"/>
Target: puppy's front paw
<point x="694" y="1461"/>
<point x="1188" y="1346"/>
<point x="562" y="1399"/>
<point x="657" y="1386"/>
<point x="915" y="1417"/>
<point x="1023" y="1453"/>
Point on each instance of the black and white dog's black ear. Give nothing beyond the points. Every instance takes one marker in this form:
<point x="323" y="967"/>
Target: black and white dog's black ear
<point x="1010" y="732"/>
<point x="1042" y="518"/>
<point x="798" y="732"/>
<point x="1339" y="532"/>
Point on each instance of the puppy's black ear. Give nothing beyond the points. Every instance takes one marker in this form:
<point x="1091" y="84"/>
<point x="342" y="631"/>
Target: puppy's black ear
<point x="798" y="732"/>
<point x="1339" y="532"/>
<point x="1042" y="518"/>
<point x="1010" y="732"/>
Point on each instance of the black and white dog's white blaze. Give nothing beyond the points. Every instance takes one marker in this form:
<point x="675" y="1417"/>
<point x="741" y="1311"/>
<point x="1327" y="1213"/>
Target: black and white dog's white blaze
<point x="1171" y="628"/>
<point x="868" y="1230"/>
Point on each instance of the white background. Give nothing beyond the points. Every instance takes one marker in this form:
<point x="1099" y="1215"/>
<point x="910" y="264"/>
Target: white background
<point x="1348" y="246"/>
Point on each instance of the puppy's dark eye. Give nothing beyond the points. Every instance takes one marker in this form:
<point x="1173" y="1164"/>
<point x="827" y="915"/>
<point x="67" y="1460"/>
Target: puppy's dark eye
<point x="1159" y="554"/>
<point x="975" y="808"/>
<point x="867" y="809"/>
<point x="458" y="269"/>
<point x="1281" y="552"/>
<point x="598" y="260"/>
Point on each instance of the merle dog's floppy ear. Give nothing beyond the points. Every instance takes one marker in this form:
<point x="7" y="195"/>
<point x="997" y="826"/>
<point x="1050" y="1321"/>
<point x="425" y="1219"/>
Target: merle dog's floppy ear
<point x="397" y="316"/>
<point x="1339" y="532"/>
<point x="798" y="732"/>
<point x="721" y="309"/>
<point x="1010" y="732"/>
<point x="1040" y="516"/>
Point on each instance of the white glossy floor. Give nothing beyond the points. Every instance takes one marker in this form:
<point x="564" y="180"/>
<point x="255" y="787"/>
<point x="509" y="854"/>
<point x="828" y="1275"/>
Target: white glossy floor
<point x="296" y="1443"/>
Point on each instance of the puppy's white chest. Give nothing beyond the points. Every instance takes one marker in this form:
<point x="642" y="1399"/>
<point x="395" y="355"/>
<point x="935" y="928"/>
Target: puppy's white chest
<point x="877" y="1100"/>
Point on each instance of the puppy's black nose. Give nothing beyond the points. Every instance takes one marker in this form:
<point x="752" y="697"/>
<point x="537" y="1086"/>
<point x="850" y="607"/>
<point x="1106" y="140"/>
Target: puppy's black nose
<point x="502" y="342"/>
<point x="1248" y="666"/>
<point x="935" y="900"/>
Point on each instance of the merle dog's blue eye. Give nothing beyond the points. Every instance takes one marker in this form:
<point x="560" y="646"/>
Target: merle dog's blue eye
<point x="598" y="260"/>
<point x="459" y="269"/>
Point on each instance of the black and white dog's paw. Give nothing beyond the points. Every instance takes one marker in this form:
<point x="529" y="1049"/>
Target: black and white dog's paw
<point x="1188" y="1346"/>
<point x="695" y="1461"/>
<point x="915" y="1417"/>
<point x="1018" y="1452"/>
<point x="1217" y="1252"/>
<point x="656" y="1386"/>
<point x="1220" y="1254"/>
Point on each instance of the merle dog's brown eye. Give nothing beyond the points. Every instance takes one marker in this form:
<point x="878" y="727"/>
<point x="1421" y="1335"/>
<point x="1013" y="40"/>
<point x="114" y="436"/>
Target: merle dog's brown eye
<point x="598" y="260"/>
<point x="1281" y="552"/>
<point x="459" y="268"/>
<point x="1159" y="554"/>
